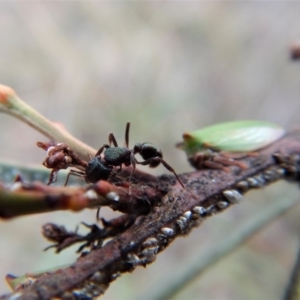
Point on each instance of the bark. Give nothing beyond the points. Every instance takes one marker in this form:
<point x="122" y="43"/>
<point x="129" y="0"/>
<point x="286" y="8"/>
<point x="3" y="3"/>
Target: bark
<point x="161" y="210"/>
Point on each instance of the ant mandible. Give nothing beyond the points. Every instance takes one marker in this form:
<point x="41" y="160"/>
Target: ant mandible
<point x="101" y="167"/>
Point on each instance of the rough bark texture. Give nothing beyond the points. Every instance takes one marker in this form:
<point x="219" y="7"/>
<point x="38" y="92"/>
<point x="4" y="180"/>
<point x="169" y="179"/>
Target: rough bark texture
<point x="162" y="211"/>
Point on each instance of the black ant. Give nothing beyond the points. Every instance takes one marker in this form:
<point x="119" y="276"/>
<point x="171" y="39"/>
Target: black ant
<point x="101" y="167"/>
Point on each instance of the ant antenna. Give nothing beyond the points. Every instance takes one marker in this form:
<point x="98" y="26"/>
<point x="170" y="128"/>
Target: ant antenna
<point x="127" y="135"/>
<point x="112" y="139"/>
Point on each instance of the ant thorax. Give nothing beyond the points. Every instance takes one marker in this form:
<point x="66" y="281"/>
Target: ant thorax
<point x="117" y="156"/>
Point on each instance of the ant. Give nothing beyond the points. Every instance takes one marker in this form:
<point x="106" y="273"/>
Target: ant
<point x="101" y="167"/>
<point x="61" y="156"/>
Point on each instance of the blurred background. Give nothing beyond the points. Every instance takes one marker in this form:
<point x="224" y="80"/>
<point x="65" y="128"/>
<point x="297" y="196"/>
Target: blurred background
<point x="167" y="68"/>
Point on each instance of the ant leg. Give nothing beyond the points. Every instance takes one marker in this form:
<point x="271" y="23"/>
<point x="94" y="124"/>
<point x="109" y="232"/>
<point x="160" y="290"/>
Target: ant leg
<point x="53" y="176"/>
<point x="127" y="135"/>
<point x="67" y="179"/>
<point x="112" y="139"/>
<point x="165" y="164"/>
<point x="98" y="214"/>
<point x="75" y="160"/>
<point x="74" y="173"/>
<point x="105" y="146"/>
<point x="133" y="162"/>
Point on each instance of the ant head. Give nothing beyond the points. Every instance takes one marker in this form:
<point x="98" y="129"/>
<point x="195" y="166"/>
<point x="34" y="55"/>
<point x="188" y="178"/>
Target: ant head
<point x="148" y="151"/>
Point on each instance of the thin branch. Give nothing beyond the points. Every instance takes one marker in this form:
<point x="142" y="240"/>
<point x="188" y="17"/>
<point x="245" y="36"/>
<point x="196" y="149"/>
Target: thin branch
<point x="30" y="198"/>
<point x="175" y="214"/>
<point x="11" y="104"/>
<point x="24" y="198"/>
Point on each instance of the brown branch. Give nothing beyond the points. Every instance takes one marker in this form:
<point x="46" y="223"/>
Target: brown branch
<point x="29" y="198"/>
<point x="176" y="213"/>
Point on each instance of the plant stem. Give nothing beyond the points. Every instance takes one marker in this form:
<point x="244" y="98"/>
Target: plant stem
<point x="11" y="104"/>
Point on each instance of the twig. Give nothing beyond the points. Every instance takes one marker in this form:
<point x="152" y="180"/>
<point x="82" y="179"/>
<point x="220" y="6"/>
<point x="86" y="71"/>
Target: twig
<point x="208" y="192"/>
<point x="11" y="104"/>
<point x="30" y="198"/>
